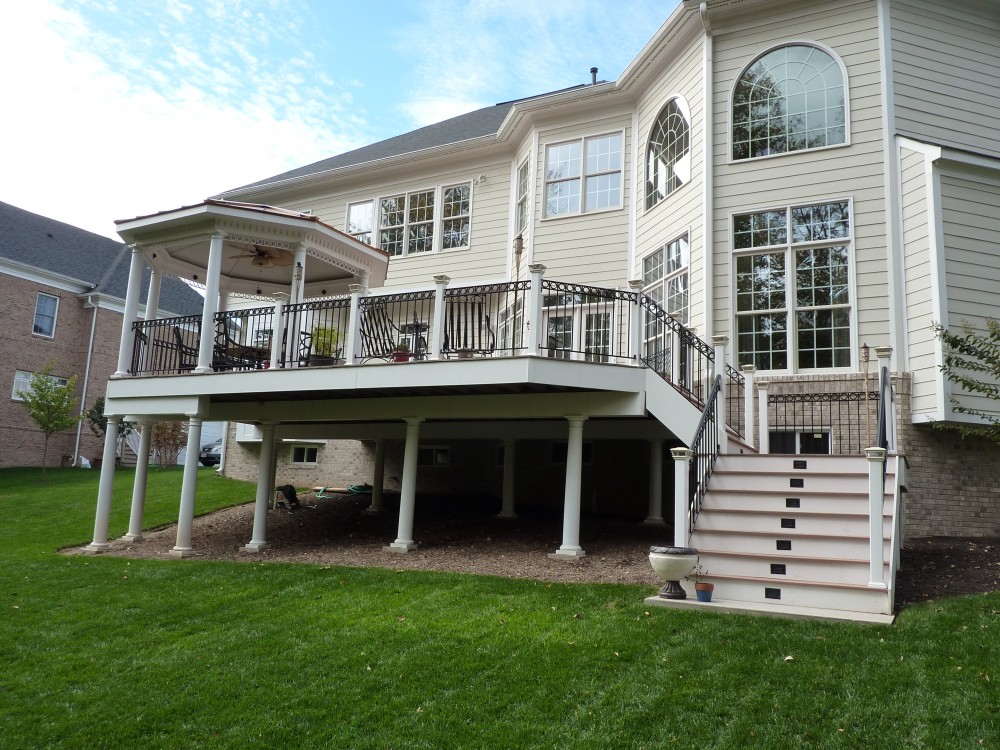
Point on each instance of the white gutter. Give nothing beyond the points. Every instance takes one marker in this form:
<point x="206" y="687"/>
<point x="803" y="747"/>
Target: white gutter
<point x="86" y="380"/>
<point x="708" y="183"/>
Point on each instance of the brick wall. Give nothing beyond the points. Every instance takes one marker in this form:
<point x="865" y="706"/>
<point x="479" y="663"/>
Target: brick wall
<point x="21" y="441"/>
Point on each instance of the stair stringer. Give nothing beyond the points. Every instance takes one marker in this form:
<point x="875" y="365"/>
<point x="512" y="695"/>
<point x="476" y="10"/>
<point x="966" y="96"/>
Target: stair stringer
<point x="672" y="409"/>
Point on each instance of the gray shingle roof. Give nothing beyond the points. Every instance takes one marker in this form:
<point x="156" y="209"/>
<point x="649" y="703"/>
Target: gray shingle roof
<point x="79" y="255"/>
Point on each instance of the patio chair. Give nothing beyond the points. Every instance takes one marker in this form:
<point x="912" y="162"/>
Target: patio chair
<point x="467" y="326"/>
<point x="379" y="333"/>
<point x="187" y="356"/>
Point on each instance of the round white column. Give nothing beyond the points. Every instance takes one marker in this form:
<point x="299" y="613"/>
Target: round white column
<point x="571" y="503"/>
<point x="106" y="487"/>
<point x="408" y="492"/>
<point x="189" y="483"/>
<point x="654" y="516"/>
<point x="139" y="487"/>
<point x="265" y="490"/>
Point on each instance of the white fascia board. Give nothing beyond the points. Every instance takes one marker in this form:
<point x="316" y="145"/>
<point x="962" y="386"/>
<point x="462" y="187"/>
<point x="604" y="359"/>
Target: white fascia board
<point x="137" y="409"/>
<point x="41" y="276"/>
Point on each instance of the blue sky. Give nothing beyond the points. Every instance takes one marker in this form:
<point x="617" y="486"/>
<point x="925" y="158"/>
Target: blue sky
<point x="116" y="108"/>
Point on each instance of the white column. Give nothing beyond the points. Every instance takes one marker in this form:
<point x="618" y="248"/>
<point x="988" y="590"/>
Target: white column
<point x="106" y="487"/>
<point x="571" y="501"/>
<point x="408" y="492"/>
<point x="139" y="487"/>
<point x="277" y="331"/>
<point x="764" y="446"/>
<point x="299" y="275"/>
<point x="876" y="501"/>
<point x="131" y="314"/>
<point x="507" y="504"/>
<point x="378" y="478"/>
<point x="153" y="295"/>
<point x="211" y="306"/>
<point x="265" y="490"/>
<point x="719" y="343"/>
<point x="534" y="333"/>
<point x="189" y="482"/>
<point x="655" y="515"/>
<point x="884" y="355"/>
<point x="635" y="331"/>
<point x="353" y="346"/>
<point x="682" y="494"/>
<point x="749" y="404"/>
<point x="437" y="332"/>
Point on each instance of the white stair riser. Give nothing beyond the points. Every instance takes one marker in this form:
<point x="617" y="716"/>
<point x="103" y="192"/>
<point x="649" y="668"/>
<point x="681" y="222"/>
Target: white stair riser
<point x="751" y="462"/>
<point x="856" y="548"/>
<point x="723" y="520"/>
<point x="735" y="500"/>
<point x="796" y="569"/>
<point x="845" y="599"/>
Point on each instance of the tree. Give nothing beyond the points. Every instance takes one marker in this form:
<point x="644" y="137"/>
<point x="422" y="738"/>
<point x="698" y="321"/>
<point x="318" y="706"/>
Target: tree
<point x="167" y="439"/>
<point x="972" y="362"/>
<point x="51" y="405"/>
<point x="98" y="423"/>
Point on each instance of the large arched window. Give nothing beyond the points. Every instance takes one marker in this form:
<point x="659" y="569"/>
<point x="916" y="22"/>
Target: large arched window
<point x="790" y="99"/>
<point x="668" y="155"/>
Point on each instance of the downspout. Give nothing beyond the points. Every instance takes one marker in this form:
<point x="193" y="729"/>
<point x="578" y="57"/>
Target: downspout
<point x="86" y="380"/>
<point x="708" y="183"/>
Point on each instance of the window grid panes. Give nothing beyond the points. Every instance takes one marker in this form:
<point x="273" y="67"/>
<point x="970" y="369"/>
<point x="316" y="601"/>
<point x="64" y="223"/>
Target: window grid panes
<point x="22" y="382"/>
<point x="793" y="305"/>
<point x="361" y="220"/>
<point x="420" y="218"/>
<point x="599" y="169"/>
<point x="412" y="223"/>
<point x="304" y="454"/>
<point x="522" y="196"/>
<point x="665" y="278"/>
<point x="455" y="208"/>
<point x="790" y="99"/>
<point x="668" y="162"/>
<point x="46" y="307"/>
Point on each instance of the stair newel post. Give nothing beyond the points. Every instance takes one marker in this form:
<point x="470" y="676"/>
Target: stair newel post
<point x="884" y="356"/>
<point x="764" y="445"/>
<point x="876" y="501"/>
<point x="278" y="334"/>
<point x="749" y="405"/>
<point x="353" y="324"/>
<point x="682" y="494"/>
<point x="635" y="332"/>
<point x="719" y="344"/>
<point x="437" y="333"/>
<point x="533" y="320"/>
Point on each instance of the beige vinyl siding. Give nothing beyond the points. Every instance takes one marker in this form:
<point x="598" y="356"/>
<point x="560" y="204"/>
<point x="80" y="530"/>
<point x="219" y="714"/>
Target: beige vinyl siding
<point x="855" y="171"/>
<point x="588" y="248"/>
<point x="970" y="204"/>
<point x="485" y="258"/>
<point x="945" y="69"/>
<point x="681" y="211"/>
<point x="919" y="281"/>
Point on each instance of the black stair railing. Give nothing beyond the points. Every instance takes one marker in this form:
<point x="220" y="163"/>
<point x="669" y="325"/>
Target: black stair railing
<point x="705" y="452"/>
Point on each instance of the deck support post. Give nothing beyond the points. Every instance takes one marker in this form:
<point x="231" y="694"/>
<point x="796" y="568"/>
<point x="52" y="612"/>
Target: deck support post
<point x="139" y="487"/>
<point x="106" y="487"/>
<point x="876" y="502"/>
<point x="408" y="492"/>
<point x="378" y="478"/>
<point x="682" y="494"/>
<point x="265" y="491"/>
<point x="507" y="505"/>
<point x="570" y="547"/>
<point x="189" y="483"/>
<point x="654" y="516"/>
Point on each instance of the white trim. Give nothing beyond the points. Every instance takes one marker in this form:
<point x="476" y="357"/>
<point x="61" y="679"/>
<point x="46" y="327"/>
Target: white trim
<point x="939" y="290"/>
<point x="41" y="276"/>
<point x="708" y="188"/>
<point x="55" y="316"/>
<point x="638" y="189"/>
<point x="685" y="110"/>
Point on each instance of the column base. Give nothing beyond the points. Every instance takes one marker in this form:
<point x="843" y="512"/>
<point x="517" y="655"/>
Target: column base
<point x="254" y="547"/>
<point x="400" y="547"/>
<point x="182" y="552"/>
<point x="370" y="511"/>
<point x="568" y="553"/>
<point x="133" y="537"/>
<point x="654" y="522"/>
<point x="202" y="370"/>
<point x="95" y="547"/>
<point x="878" y="585"/>
<point x="508" y="515"/>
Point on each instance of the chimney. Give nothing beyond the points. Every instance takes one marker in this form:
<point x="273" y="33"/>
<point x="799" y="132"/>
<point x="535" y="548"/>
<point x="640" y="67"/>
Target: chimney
<point x="593" y="76"/>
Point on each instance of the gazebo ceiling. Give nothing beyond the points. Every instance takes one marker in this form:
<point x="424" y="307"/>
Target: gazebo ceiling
<point x="258" y="251"/>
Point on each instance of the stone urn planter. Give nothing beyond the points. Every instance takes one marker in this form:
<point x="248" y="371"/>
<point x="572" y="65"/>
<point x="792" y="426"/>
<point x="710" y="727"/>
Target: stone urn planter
<point x="672" y="564"/>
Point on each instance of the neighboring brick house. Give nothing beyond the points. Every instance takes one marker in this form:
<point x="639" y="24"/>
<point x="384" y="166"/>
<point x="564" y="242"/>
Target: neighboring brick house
<point x="63" y="292"/>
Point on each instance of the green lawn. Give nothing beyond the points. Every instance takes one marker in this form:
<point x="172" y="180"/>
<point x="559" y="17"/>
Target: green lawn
<point x="100" y="652"/>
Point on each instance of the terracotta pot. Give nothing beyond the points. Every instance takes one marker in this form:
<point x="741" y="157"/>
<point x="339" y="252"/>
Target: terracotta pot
<point x="401" y="356"/>
<point x="703" y="590"/>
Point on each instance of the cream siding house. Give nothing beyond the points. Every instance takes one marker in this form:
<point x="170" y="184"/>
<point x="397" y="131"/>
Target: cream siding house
<point x="643" y="296"/>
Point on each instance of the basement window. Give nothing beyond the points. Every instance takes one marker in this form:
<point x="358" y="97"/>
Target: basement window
<point x="304" y="454"/>
<point x="434" y="455"/>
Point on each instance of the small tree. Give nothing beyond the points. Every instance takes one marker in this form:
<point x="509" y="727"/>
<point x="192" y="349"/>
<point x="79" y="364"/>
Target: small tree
<point x="98" y="423"/>
<point x="972" y="362"/>
<point x="51" y="405"/>
<point x="167" y="439"/>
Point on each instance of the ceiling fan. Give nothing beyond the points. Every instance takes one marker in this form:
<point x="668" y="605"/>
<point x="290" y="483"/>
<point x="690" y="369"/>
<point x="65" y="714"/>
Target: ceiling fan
<point x="265" y="257"/>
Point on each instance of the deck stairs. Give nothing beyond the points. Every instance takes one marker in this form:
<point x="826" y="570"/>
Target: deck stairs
<point x="786" y="534"/>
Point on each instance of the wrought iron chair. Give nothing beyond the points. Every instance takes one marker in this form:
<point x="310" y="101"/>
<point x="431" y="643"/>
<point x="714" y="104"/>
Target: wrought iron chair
<point x="187" y="356"/>
<point x="379" y="333"/>
<point x="467" y="326"/>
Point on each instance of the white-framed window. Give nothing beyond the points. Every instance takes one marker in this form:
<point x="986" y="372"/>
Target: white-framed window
<point x="304" y="454"/>
<point x="361" y="220"/>
<point x="792" y="98"/>
<point x="46" y="310"/>
<point x="583" y="175"/>
<point x="665" y="281"/>
<point x="456" y="210"/>
<point x="433" y="455"/>
<point x="577" y="326"/>
<point x="521" y="210"/>
<point x="22" y="382"/>
<point x="668" y="155"/>
<point x="792" y="287"/>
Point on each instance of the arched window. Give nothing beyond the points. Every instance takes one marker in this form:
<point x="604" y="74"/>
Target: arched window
<point x="668" y="155"/>
<point x="789" y="99"/>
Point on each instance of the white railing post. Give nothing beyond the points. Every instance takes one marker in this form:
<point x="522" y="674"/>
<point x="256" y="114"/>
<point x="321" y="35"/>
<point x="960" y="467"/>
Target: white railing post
<point x="876" y="501"/>
<point x="533" y="320"/>
<point x="749" y="405"/>
<point x="353" y="325"/>
<point x="278" y="329"/>
<point x="682" y="493"/>
<point x="437" y="333"/>
<point x="765" y="441"/>
<point x="635" y="334"/>
<point x="719" y="344"/>
<point x="884" y="356"/>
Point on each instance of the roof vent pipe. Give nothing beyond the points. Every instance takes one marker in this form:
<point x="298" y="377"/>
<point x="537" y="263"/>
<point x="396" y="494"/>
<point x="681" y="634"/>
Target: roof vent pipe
<point x="593" y="76"/>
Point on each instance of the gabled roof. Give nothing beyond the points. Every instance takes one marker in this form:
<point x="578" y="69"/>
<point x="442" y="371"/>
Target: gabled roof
<point x="76" y="255"/>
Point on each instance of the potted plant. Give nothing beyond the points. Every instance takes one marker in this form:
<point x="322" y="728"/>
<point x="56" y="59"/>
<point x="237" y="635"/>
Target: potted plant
<point x="402" y="352"/>
<point x="325" y="345"/>
<point x="703" y="589"/>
